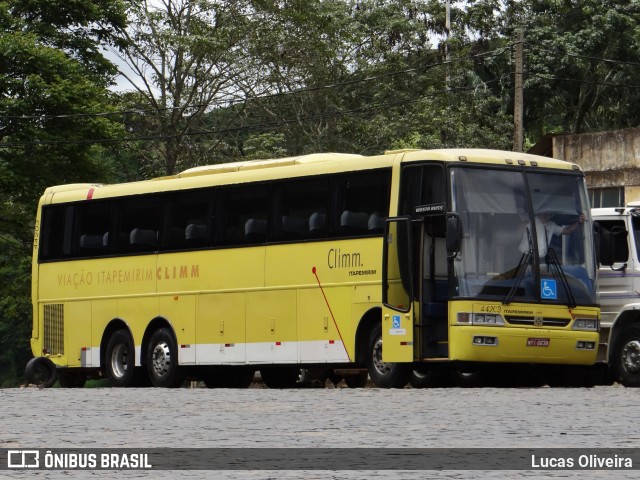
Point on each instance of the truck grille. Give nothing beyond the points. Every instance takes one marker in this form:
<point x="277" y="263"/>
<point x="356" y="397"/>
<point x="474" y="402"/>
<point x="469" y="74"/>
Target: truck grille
<point x="54" y="329"/>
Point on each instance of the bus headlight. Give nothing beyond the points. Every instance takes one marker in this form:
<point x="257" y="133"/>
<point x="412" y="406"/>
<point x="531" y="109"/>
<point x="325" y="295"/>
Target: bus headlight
<point x="585" y="324"/>
<point x="484" y="319"/>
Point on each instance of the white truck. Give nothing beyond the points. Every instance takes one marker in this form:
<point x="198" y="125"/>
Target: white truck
<point x="618" y="233"/>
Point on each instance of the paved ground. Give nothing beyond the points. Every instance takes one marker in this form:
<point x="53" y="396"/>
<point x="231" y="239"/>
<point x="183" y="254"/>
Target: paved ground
<point x="601" y="417"/>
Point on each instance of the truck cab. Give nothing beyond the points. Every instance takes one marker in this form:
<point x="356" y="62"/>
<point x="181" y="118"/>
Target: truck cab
<point x="618" y="236"/>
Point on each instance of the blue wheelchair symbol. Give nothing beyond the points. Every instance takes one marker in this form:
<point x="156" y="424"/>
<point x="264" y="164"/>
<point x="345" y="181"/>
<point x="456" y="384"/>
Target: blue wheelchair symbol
<point x="396" y="321"/>
<point x="549" y="289"/>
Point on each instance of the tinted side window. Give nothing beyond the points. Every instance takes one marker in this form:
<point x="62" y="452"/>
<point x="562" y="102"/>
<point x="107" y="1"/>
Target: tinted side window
<point x="301" y="209"/>
<point x="138" y="226"/>
<point x="189" y="220"/>
<point x="614" y="246"/>
<point x="241" y="215"/>
<point x="362" y="202"/>
<point x="52" y="230"/>
<point x="92" y="221"/>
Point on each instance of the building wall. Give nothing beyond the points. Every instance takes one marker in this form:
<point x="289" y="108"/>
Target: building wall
<point x="609" y="159"/>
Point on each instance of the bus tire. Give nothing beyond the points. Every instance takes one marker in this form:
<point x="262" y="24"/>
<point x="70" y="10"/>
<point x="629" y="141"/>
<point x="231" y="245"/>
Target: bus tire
<point x="162" y="360"/>
<point x="626" y="357"/>
<point x="41" y="371"/>
<point x="385" y="374"/>
<point x="280" y="377"/>
<point x="120" y="359"/>
<point x="71" y="379"/>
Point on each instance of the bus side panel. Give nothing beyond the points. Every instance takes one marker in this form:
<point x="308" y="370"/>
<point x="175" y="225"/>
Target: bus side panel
<point x="272" y="335"/>
<point x="77" y="330"/>
<point x="220" y="329"/>
<point x="180" y="311"/>
<point x="320" y="339"/>
<point x="103" y="312"/>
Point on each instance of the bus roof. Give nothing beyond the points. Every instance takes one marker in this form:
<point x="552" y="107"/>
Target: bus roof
<point x="312" y="164"/>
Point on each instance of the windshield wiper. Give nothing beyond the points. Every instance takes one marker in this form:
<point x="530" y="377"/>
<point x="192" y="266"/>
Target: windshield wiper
<point x="524" y="262"/>
<point x="554" y="263"/>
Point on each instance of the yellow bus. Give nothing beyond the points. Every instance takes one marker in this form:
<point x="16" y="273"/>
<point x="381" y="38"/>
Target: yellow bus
<point x="315" y="262"/>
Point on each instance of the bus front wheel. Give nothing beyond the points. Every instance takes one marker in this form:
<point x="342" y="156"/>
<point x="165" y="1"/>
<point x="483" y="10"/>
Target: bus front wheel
<point x="627" y="356"/>
<point x="162" y="360"/>
<point x="385" y="374"/>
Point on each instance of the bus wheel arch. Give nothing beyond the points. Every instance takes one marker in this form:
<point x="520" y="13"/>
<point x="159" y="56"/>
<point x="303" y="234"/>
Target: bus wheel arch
<point x="160" y="355"/>
<point x="368" y="321"/>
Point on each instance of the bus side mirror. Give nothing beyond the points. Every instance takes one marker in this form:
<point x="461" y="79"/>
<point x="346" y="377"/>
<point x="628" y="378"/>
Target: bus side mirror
<point x="454" y="234"/>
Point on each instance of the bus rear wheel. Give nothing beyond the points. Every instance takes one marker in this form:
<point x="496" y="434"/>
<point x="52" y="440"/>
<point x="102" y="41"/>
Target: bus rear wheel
<point x="162" y="360"/>
<point x="627" y="356"/>
<point x="385" y="374"/>
<point x="120" y="359"/>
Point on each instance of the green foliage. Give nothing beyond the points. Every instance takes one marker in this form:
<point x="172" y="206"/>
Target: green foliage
<point x="52" y="75"/>
<point x="15" y="313"/>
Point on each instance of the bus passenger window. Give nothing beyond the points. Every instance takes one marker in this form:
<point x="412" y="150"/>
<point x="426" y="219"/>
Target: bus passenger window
<point x="189" y="220"/>
<point x="92" y="221"/>
<point x="362" y="202"/>
<point x="301" y="206"/>
<point x="241" y="215"/>
<point x="52" y="232"/>
<point x="139" y="224"/>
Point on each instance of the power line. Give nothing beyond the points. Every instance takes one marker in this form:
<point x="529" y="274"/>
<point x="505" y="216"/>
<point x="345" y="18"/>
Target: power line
<point x="577" y="80"/>
<point x="231" y="102"/>
<point x="589" y="57"/>
<point x="280" y="123"/>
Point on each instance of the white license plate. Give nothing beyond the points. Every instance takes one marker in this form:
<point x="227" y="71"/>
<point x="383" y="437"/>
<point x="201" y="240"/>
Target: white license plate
<point x="538" y="342"/>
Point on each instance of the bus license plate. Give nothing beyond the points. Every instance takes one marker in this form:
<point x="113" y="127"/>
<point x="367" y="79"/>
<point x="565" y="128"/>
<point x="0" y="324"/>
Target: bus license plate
<point x="537" y="342"/>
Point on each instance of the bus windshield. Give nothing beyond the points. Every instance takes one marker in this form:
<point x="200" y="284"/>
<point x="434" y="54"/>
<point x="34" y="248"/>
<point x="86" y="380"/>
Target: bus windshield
<point x="526" y="237"/>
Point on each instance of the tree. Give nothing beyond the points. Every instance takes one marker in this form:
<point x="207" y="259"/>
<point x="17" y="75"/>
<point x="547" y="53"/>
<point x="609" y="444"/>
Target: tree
<point x="52" y="79"/>
<point x="185" y="57"/>
<point x="581" y="63"/>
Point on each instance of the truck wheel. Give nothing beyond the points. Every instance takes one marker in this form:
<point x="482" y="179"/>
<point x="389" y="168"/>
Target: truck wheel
<point x="627" y="356"/>
<point x="385" y="374"/>
<point x="41" y="371"/>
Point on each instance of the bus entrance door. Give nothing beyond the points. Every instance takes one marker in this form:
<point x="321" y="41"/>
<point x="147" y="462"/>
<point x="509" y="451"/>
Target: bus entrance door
<point x="397" y="292"/>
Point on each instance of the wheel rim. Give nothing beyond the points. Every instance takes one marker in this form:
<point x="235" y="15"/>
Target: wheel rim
<point x="381" y="367"/>
<point x="120" y="360"/>
<point x="161" y="359"/>
<point x="631" y="356"/>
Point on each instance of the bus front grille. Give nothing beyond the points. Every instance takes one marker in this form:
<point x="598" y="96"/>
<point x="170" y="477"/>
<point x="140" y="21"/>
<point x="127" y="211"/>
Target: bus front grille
<point x="53" y="329"/>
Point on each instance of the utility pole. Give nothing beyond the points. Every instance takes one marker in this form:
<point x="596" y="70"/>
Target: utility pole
<point x="447" y="27"/>
<point x="518" y="115"/>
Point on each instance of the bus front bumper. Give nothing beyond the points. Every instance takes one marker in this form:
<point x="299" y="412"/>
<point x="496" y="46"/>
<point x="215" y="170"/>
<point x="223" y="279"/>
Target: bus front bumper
<point x="522" y="345"/>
